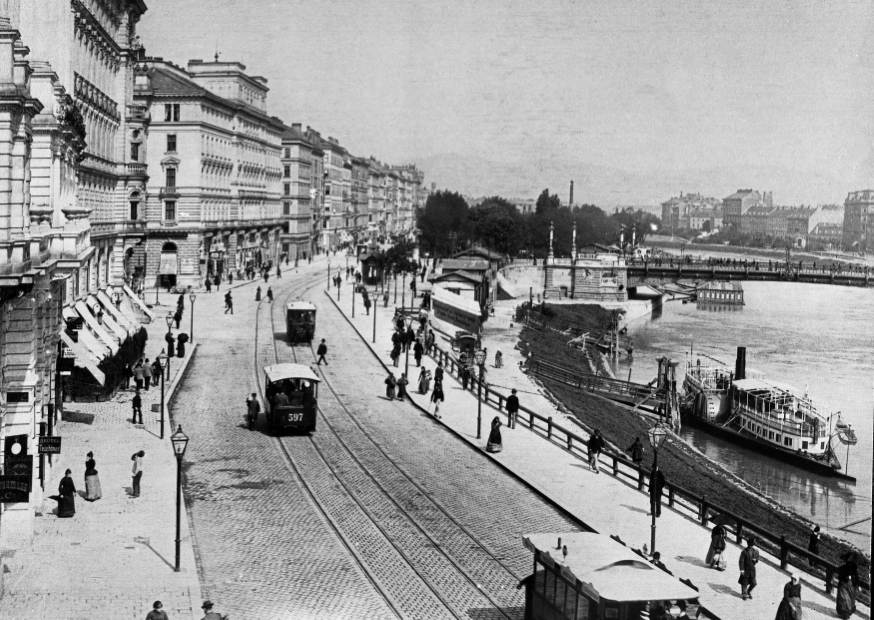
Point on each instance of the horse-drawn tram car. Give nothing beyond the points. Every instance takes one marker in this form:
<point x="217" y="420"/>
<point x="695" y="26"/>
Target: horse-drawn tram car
<point x="300" y="321"/>
<point x="292" y="394"/>
<point x="588" y="576"/>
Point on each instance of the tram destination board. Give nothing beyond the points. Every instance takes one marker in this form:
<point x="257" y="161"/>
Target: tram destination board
<point x="49" y="445"/>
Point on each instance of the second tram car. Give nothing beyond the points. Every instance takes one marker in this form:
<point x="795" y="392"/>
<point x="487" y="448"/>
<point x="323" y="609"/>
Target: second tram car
<point x="292" y="395"/>
<point x="300" y="321"/>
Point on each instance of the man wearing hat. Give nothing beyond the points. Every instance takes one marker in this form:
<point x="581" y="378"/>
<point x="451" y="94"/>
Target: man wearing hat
<point x="512" y="409"/>
<point x="210" y="614"/>
<point x="749" y="557"/>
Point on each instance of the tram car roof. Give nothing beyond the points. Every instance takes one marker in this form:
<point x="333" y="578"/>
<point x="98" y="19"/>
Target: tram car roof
<point x="278" y="372"/>
<point x="608" y="569"/>
<point x="300" y="305"/>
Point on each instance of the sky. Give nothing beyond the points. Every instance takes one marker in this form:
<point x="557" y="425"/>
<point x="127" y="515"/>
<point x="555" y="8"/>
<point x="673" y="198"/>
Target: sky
<point x="648" y="87"/>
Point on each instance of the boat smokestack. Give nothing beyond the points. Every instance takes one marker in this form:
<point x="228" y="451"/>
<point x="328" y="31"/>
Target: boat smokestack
<point x="740" y="364"/>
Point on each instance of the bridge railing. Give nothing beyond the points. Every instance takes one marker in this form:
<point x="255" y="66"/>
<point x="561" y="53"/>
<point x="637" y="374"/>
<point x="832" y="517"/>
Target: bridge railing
<point x="677" y="497"/>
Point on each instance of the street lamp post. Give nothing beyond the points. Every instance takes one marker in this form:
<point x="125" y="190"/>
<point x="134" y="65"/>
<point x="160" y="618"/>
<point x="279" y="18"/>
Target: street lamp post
<point x="329" y="275"/>
<point x="404" y="289"/>
<point x="480" y="359"/>
<point x="657" y="436"/>
<point x="167" y="358"/>
<point x="396" y="288"/>
<point x="180" y="443"/>
<point x="169" y="319"/>
<point x="192" y="297"/>
<point x="374" y="314"/>
<point x="339" y="281"/>
<point x="353" y="298"/>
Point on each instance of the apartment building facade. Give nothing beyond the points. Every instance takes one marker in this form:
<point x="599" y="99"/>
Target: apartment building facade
<point x="297" y="175"/>
<point x="858" y="233"/>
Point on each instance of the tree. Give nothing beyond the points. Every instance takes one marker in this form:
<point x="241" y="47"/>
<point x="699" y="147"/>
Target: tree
<point x="445" y="213"/>
<point x="547" y="203"/>
<point x="637" y="220"/>
<point x="498" y="225"/>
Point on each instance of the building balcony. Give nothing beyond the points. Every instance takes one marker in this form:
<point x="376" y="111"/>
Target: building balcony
<point x="168" y="193"/>
<point x="136" y="169"/>
<point x="137" y="112"/>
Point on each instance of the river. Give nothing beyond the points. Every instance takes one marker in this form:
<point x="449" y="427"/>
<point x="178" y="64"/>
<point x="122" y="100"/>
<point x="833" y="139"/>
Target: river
<point x="820" y="336"/>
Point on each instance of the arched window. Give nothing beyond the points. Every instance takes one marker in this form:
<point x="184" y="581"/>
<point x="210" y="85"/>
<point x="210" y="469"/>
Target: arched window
<point x="135" y="205"/>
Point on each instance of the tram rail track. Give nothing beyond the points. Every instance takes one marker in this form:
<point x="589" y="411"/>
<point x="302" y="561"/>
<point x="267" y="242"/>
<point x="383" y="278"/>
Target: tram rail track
<point x="384" y="513"/>
<point x="426" y="513"/>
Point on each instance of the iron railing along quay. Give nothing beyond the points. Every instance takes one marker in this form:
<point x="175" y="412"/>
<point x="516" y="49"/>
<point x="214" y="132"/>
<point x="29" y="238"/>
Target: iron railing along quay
<point x="679" y="498"/>
<point x="590" y="382"/>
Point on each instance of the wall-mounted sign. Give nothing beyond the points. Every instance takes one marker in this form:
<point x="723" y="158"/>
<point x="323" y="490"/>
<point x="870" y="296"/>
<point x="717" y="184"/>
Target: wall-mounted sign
<point x="20" y="468"/>
<point x="49" y="445"/>
<point x="13" y="490"/>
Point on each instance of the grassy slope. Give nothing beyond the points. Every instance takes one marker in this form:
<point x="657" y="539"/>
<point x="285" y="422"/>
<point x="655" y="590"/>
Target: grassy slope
<point x="681" y="464"/>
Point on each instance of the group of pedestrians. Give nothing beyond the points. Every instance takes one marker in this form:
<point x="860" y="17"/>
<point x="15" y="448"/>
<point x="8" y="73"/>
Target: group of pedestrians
<point x="66" y="497"/>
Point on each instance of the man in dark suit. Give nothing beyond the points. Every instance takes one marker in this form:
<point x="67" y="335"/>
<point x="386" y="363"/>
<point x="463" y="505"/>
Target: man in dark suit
<point x="512" y="409"/>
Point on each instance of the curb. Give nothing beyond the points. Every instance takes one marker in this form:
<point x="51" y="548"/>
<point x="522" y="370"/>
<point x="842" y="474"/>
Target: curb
<point x="561" y="509"/>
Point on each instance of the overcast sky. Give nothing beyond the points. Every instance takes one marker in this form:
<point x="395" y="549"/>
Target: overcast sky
<point x="638" y="85"/>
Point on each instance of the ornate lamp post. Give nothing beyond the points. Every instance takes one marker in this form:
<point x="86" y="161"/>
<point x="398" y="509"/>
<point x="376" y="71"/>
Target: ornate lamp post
<point x="180" y="443"/>
<point x="191" y="298"/>
<point x="480" y="359"/>
<point x="162" y="356"/>
<point x="657" y="436"/>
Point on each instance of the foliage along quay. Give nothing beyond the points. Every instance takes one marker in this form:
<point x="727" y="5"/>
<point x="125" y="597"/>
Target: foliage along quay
<point x="683" y="466"/>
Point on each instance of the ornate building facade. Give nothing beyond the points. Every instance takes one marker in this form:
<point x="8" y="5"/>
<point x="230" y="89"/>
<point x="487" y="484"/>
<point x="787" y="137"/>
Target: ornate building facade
<point x="297" y="175"/>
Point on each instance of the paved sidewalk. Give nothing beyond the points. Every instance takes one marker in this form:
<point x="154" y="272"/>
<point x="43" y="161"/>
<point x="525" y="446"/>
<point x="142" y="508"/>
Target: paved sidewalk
<point x="604" y="503"/>
<point x="116" y="556"/>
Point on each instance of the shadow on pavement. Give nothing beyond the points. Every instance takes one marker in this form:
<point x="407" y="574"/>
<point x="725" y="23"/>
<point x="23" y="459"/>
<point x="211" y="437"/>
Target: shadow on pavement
<point x="146" y="542"/>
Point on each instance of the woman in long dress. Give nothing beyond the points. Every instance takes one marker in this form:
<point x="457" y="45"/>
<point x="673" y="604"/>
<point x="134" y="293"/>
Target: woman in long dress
<point x="717" y="546"/>
<point x="437" y="398"/>
<point x="790" y="606"/>
<point x="65" y="497"/>
<point x="848" y="581"/>
<point x="494" y="444"/>
<point x="424" y="380"/>
<point x="402" y="386"/>
<point x="92" y="482"/>
<point x="390" y="383"/>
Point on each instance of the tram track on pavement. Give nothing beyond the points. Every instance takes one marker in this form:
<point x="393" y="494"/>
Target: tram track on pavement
<point x="433" y="540"/>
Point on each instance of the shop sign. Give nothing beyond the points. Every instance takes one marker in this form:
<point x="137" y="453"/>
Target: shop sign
<point x="20" y="468"/>
<point x="13" y="490"/>
<point x="49" y="445"/>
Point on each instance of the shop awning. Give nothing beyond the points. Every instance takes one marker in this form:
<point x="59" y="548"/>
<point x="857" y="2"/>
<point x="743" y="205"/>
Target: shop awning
<point x="168" y="265"/>
<point x="109" y="321"/>
<point x="136" y="302"/>
<point x="101" y="333"/>
<point x="86" y="338"/>
<point x="83" y="358"/>
<point x="118" y="316"/>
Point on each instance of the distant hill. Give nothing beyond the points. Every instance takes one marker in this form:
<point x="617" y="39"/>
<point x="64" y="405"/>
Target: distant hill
<point x="611" y="187"/>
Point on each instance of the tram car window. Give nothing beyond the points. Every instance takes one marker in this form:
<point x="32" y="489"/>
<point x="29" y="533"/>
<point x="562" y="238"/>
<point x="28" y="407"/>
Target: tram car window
<point x="300" y="321"/>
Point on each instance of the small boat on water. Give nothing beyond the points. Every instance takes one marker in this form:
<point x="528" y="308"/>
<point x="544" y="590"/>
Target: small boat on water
<point x="773" y="418"/>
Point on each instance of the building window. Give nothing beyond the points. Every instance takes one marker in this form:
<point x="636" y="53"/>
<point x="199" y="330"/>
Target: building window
<point x="287" y="153"/>
<point x="171" y="112"/>
<point x="170" y="177"/>
<point x="170" y="210"/>
<point x="286" y="171"/>
<point x="135" y="151"/>
<point x="286" y="208"/>
<point x="286" y="189"/>
<point x="171" y="143"/>
<point x="134" y="209"/>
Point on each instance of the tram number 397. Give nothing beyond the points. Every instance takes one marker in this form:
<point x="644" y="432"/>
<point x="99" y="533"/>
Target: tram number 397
<point x="295" y="417"/>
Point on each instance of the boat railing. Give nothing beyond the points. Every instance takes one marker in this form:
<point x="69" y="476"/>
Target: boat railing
<point x="623" y="469"/>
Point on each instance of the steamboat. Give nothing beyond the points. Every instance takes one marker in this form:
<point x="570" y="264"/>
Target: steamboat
<point x="772" y="418"/>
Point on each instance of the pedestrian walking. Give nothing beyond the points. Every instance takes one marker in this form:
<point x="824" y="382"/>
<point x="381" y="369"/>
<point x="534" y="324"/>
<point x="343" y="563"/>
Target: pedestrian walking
<point x="636" y="450"/>
<point x="229" y="303"/>
<point x="749" y="557"/>
<point x="230" y="277"/>
<point x="66" y="496"/>
<point x="253" y="408"/>
<point x="848" y="585"/>
<point x="180" y="346"/>
<point x="418" y="349"/>
<point x="217" y="280"/>
<point x="465" y="377"/>
<point x="266" y="276"/>
<point x="681" y="605"/>
<point x="279" y="271"/>
<point x="322" y="351"/>
<point x="402" y="386"/>
<point x="137" y="403"/>
<point x="429" y="342"/>
<point x="171" y="344"/>
<point x="127" y="374"/>
<point x="437" y="398"/>
<point x="157" y="612"/>
<point x="813" y="543"/>
<point x="93" y="491"/>
<point x="137" y="472"/>
<point x="208" y="284"/>
<point x="177" y="317"/>
<point x="367" y="305"/>
<point x="390" y="384"/>
<point x="438" y="374"/>
<point x="595" y="445"/>
<point x="714" y="558"/>
<point x="395" y="354"/>
<point x="790" y="606"/>
<point x="157" y="369"/>
<point x="139" y="376"/>
<point x="410" y="336"/>
<point x="499" y="359"/>
<point x="270" y="294"/>
<point x="258" y="294"/>
<point x="147" y="374"/>
<point x="494" y="443"/>
<point x="656" y="486"/>
<point x="424" y="380"/>
<point x="512" y="409"/>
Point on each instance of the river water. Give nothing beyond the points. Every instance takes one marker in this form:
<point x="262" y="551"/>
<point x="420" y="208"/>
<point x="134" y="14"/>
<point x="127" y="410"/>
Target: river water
<point x="820" y="336"/>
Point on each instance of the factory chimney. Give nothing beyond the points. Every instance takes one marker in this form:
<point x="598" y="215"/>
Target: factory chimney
<point x="571" y="201"/>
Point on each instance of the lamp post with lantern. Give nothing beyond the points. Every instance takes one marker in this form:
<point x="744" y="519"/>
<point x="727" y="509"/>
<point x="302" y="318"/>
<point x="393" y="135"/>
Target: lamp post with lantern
<point x="180" y="443"/>
<point x="657" y="435"/>
<point x="162" y="356"/>
<point x="169" y="319"/>
<point x="480" y="359"/>
<point x="192" y="297"/>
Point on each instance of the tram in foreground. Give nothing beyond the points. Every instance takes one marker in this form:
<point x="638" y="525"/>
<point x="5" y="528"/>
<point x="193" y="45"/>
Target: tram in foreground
<point x="300" y="321"/>
<point x="588" y="576"/>
<point x="292" y="395"/>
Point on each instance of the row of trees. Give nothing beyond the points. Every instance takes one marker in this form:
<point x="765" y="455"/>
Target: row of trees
<point x="447" y="223"/>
